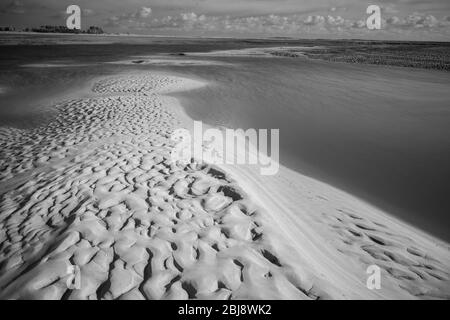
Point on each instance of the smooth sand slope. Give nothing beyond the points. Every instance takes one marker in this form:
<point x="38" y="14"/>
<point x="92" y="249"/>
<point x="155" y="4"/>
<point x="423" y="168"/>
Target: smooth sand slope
<point x="96" y="189"/>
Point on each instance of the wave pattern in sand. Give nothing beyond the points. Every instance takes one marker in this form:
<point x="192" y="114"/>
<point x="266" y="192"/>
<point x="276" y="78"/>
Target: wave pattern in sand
<point x="95" y="188"/>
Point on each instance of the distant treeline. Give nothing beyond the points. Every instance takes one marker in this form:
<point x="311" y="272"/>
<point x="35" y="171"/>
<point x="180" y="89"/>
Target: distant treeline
<point x="56" y="29"/>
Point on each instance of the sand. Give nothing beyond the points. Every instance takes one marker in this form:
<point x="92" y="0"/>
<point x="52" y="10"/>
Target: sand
<point x="292" y="51"/>
<point x="96" y="190"/>
<point x="175" y="60"/>
<point x="53" y="65"/>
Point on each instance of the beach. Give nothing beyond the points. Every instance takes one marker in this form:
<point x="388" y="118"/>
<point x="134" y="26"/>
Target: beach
<point x="94" y="192"/>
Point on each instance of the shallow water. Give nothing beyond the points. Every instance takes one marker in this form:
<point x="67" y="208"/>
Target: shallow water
<point x="380" y="133"/>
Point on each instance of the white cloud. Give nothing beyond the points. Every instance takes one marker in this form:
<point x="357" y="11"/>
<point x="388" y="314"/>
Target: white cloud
<point x="335" y="21"/>
<point x="359" y="24"/>
<point x="416" y="21"/>
<point x="130" y="18"/>
<point x="289" y="25"/>
<point x="314" y="20"/>
<point x="213" y="17"/>
<point x="144" y="12"/>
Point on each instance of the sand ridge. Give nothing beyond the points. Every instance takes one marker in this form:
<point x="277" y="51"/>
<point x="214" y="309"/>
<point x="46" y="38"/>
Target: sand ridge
<point x="97" y="190"/>
<point x="334" y="237"/>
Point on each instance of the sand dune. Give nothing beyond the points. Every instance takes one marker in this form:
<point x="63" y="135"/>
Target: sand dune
<point x="96" y="189"/>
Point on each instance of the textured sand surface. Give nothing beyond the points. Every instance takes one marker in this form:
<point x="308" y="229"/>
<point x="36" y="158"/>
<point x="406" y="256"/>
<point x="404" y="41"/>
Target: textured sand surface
<point x="331" y="238"/>
<point x="96" y="189"/>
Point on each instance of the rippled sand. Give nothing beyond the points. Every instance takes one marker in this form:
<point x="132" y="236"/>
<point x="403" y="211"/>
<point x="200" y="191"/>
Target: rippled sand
<point x="96" y="189"/>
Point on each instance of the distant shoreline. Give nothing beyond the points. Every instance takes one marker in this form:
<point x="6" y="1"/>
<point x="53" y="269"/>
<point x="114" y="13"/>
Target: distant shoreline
<point x="411" y="54"/>
<point x="272" y="39"/>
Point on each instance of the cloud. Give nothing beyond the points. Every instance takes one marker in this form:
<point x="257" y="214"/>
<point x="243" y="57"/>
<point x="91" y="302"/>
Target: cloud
<point x="335" y="21"/>
<point x="417" y="21"/>
<point x="144" y="12"/>
<point x="244" y="17"/>
<point x="131" y="18"/>
<point x="287" y="25"/>
<point x="267" y="24"/>
<point x="314" y="20"/>
<point x="359" y="24"/>
<point x="14" y="7"/>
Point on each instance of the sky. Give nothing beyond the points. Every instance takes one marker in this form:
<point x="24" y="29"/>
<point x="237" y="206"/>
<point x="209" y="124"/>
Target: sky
<point x="401" y="19"/>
